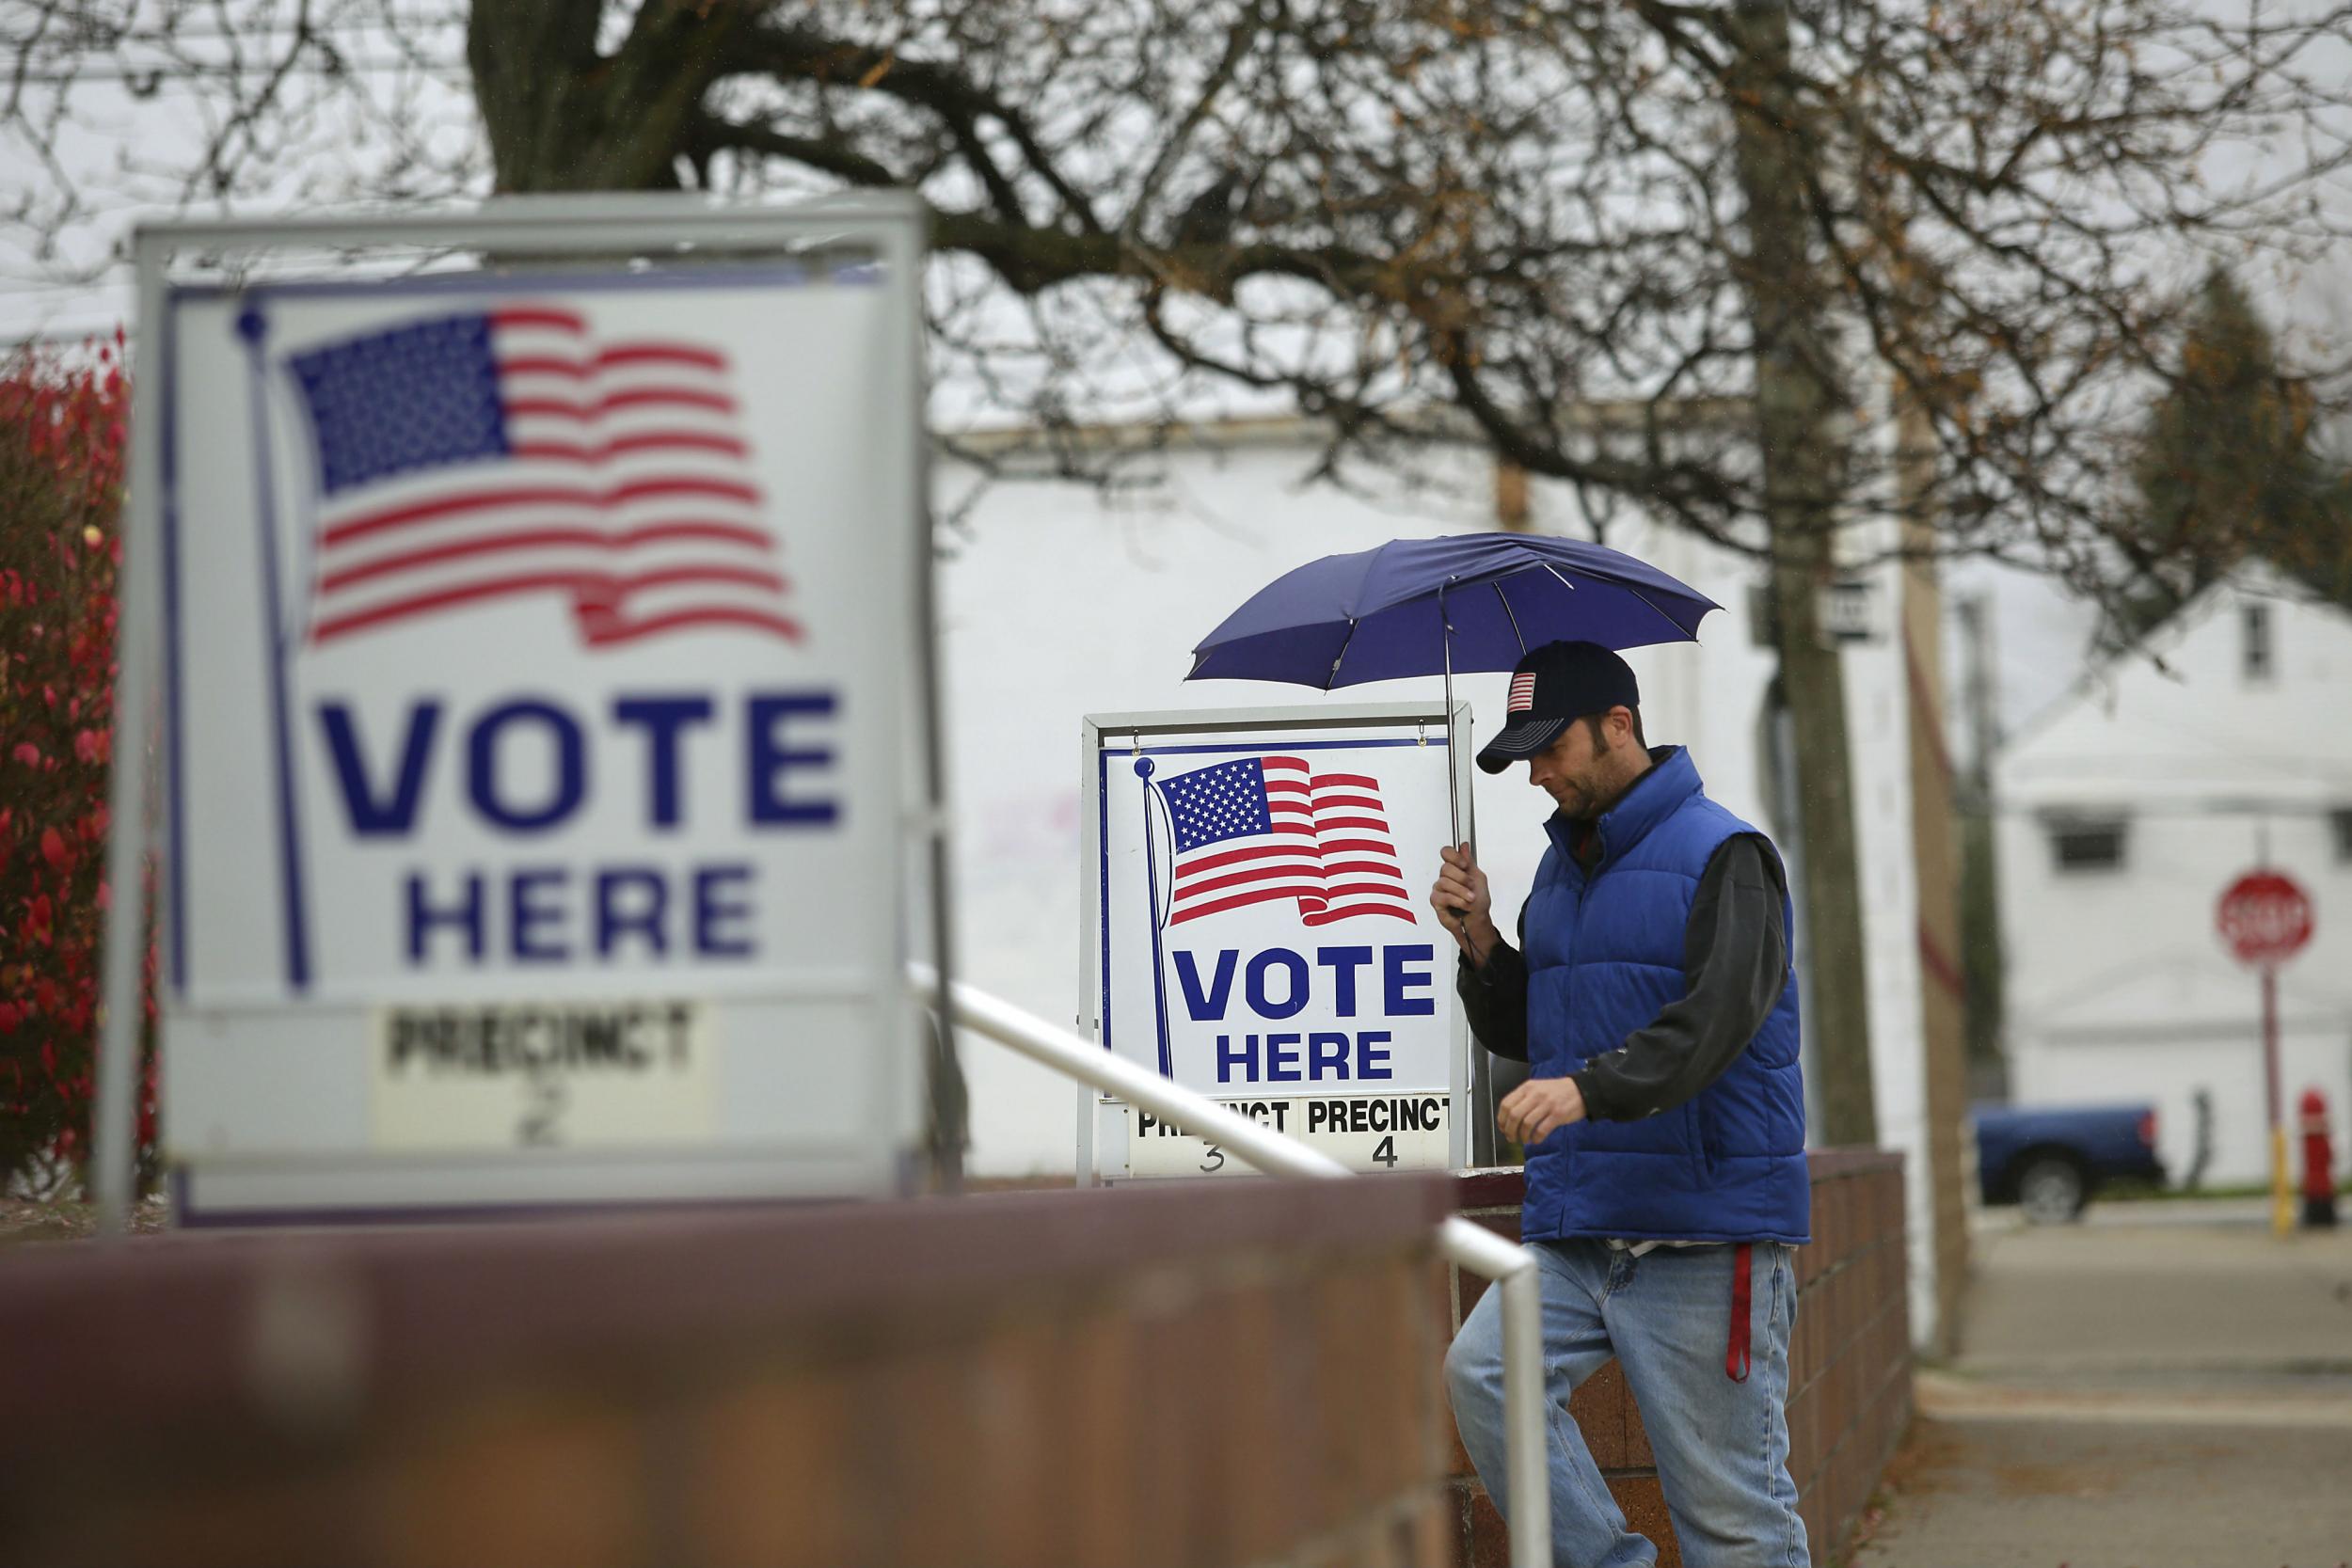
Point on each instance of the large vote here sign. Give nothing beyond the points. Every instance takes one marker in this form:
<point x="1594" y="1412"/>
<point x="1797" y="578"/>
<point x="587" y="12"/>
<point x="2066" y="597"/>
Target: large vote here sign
<point x="1260" y="931"/>
<point x="536" y="659"/>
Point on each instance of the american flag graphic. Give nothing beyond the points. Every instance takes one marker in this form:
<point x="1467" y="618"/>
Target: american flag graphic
<point x="1523" y="692"/>
<point x="1260" y="829"/>
<point x="477" y="458"/>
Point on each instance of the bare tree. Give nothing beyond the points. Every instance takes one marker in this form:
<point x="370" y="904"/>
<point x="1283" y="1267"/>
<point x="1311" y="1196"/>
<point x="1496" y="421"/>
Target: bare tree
<point x="114" y="107"/>
<point x="1776" y="270"/>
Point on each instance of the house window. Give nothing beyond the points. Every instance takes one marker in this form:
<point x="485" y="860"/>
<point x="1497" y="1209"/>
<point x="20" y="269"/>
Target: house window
<point x="2086" y="843"/>
<point x="2341" y="820"/>
<point x="2255" y="657"/>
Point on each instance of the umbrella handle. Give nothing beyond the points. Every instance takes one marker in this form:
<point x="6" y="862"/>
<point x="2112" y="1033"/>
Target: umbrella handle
<point x="1453" y="763"/>
<point x="1455" y="799"/>
<point x="1453" y="775"/>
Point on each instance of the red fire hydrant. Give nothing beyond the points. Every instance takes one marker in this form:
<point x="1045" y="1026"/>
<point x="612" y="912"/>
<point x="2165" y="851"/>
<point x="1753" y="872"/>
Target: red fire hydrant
<point x="2320" y="1161"/>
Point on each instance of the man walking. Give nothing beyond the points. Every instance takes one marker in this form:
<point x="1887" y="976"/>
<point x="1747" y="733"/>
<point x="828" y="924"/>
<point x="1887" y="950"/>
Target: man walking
<point x="1652" y="995"/>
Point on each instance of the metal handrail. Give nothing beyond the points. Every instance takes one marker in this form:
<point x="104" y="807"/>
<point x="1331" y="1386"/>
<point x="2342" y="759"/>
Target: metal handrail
<point x="1482" y="1252"/>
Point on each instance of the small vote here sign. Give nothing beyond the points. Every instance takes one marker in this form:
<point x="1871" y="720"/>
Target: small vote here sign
<point x="1264" y="931"/>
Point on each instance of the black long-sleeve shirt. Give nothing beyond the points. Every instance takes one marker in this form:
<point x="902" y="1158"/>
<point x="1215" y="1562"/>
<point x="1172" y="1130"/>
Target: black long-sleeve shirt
<point x="1735" y="953"/>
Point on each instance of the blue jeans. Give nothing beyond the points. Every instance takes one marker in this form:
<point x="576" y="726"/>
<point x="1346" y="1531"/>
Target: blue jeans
<point x="1721" y="1446"/>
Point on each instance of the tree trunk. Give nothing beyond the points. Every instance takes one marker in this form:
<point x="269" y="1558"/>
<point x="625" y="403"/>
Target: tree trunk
<point x="1799" y="405"/>
<point x="560" y="117"/>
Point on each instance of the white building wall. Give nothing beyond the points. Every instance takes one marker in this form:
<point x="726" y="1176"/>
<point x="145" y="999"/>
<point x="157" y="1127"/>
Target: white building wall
<point x="2118" y="989"/>
<point x="1060" y="605"/>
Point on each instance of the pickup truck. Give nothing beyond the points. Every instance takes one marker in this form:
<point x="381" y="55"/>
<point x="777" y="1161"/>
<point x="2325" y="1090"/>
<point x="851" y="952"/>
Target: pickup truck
<point x="2049" y="1160"/>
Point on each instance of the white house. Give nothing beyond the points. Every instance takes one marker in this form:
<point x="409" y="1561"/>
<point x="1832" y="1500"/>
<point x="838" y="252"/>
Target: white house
<point x="1061" y="603"/>
<point x="2126" y="809"/>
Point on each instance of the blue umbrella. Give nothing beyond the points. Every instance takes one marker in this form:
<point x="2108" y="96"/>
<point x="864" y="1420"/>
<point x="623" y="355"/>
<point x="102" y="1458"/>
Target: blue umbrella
<point x="1427" y="606"/>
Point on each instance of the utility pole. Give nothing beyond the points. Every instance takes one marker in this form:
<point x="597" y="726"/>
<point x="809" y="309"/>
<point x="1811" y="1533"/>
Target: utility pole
<point x="1980" y="963"/>
<point x="1984" y="725"/>
<point x="1799" y="411"/>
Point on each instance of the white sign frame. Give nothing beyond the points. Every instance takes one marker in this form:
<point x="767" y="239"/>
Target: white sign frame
<point x="1104" y="1123"/>
<point x="867" y="1138"/>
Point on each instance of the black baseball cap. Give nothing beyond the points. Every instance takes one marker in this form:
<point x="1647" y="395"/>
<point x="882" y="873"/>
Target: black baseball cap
<point x="1551" y="687"/>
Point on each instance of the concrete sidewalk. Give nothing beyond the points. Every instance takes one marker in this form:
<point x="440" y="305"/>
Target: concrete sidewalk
<point x="2168" y="1390"/>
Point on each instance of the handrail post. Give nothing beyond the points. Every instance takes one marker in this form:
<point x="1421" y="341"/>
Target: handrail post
<point x="1525" y="1419"/>
<point x="1510" y="1266"/>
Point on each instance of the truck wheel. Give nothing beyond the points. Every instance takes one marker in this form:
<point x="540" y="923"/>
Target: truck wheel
<point x="2050" y="1190"/>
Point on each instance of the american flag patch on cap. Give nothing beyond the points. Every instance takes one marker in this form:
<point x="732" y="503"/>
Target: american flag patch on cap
<point x="1522" y="692"/>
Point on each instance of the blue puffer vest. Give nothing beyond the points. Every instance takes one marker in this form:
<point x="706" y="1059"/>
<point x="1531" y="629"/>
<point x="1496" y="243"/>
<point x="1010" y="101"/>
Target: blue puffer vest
<point x="1604" y="954"/>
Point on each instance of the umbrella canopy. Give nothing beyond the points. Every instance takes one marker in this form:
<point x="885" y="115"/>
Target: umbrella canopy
<point x="1375" y="616"/>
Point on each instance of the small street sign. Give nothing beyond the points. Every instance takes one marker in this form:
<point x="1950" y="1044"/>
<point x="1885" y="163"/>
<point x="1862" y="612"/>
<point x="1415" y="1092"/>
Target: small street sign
<point x="2266" y="918"/>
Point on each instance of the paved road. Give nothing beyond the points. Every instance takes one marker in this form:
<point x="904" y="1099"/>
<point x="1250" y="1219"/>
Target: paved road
<point x="2157" y="1389"/>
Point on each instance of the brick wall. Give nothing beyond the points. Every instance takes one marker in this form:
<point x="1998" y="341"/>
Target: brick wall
<point x="1194" y="1375"/>
<point x="1850" y="1366"/>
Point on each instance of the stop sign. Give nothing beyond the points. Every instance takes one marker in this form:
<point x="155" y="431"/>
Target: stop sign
<point x="2264" y="917"/>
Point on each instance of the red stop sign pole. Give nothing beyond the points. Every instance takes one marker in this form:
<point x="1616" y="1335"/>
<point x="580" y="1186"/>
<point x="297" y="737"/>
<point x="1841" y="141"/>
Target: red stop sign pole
<point x="2266" y="918"/>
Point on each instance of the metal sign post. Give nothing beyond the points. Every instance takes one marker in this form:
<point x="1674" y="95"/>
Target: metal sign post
<point x="2274" y="1106"/>
<point x="531" y="640"/>
<point x="2266" y="918"/>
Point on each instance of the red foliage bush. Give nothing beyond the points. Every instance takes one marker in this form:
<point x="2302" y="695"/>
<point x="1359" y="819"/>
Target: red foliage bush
<point x="62" y="454"/>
